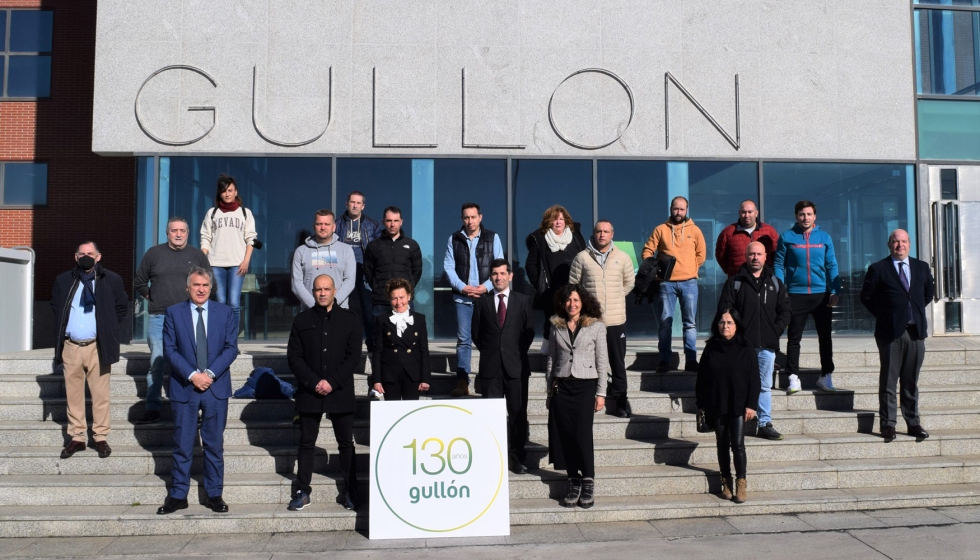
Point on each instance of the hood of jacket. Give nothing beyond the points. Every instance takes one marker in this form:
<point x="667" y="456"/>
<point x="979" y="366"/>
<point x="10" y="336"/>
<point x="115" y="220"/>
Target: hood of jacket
<point x="799" y="231"/>
<point x="677" y="230"/>
<point x="585" y="321"/>
<point x="597" y="254"/>
<point x="311" y="241"/>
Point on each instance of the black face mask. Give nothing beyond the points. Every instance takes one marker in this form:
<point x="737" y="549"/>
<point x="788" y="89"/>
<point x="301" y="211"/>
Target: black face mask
<point x="86" y="262"/>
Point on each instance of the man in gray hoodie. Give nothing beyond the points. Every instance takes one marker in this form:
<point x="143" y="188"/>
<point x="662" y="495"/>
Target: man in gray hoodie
<point x="323" y="253"/>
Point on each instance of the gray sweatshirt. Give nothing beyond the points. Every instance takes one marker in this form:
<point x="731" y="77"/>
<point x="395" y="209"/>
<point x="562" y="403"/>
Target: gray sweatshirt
<point x="162" y="276"/>
<point x="311" y="259"/>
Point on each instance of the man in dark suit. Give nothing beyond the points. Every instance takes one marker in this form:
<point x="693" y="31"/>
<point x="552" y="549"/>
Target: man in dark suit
<point x="503" y="329"/>
<point x="896" y="290"/>
<point x="323" y="350"/>
<point x="200" y="341"/>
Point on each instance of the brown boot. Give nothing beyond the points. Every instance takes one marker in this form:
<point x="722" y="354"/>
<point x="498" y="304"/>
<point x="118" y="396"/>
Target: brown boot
<point x="462" y="389"/>
<point x="726" y="487"/>
<point x="740" y="491"/>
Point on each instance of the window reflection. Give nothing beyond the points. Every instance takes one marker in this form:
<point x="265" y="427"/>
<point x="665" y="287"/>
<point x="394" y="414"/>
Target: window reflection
<point x="24" y="184"/>
<point x="858" y="205"/>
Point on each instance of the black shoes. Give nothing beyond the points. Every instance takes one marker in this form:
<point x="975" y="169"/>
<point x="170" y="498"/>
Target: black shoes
<point x="216" y="504"/>
<point x="663" y="367"/>
<point x="517" y="467"/>
<point x="620" y="407"/>
<point x="103" y="448"/>
<point x="349" y="501"/>
<point x="888" y="433"/>
<point x="587" y="498"/>
<point x="918" y="432"/>
<point x="768" y="432"/>
<point x="691" y="366"/>
<point x="149" y="417"/>
<point x="171" y="505"/>
<point x="72" y="448"/>
<point x="574" y="492"/>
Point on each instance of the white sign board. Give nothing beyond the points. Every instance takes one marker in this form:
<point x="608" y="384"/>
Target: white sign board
<point x="439" y="469"/>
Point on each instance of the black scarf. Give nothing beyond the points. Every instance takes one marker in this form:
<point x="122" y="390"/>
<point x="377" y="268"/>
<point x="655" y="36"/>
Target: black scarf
<point x="88" y="282"/>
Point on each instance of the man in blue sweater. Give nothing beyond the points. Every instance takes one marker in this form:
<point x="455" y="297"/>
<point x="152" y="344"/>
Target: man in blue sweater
<point x="806" y="263"/>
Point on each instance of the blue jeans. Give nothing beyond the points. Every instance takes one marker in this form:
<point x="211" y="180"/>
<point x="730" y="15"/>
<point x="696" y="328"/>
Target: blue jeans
<point x="687" y="291"/>
<point x="229" y="288"/>
<point x="766" y="360"/>
<point x="154" y="377"/>
<point x="464" y="342"/>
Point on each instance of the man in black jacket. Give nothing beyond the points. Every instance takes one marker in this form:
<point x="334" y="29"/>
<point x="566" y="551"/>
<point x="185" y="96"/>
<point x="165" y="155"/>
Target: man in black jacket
<point x="896" y="290"/>
<point x="763" y="303"/>
<point x="393" y="255"/>
<point x="89" y="305"/>
<point x="323" y="350"/>
<point x="503" y="329"/>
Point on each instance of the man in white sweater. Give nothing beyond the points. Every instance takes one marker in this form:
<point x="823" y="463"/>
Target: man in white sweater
<point x="323" y="253"/>
<point x="608" y="274"/>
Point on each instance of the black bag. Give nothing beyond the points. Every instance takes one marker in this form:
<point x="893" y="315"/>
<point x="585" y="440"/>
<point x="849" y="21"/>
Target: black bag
<point x="702" y="422"/>
<point x="651" y="273"/>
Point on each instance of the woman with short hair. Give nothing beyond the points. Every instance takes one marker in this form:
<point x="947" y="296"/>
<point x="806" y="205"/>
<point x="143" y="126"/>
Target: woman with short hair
<point x="400" y="367"/>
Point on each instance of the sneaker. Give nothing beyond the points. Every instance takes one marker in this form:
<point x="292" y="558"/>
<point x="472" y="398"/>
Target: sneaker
<point x="462" y="388"/>
<point x="300" y="500"/>
<point x="794" y="384"/>
<point x="375" y="396"/>
<point x="574" y="492"/>
<point x="768" y="432"/>
<point x="826" y="383"/>
<point x="587" y="497"/>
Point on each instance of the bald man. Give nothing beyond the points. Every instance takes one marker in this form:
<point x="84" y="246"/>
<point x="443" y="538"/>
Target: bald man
<point x="896" y="291"/>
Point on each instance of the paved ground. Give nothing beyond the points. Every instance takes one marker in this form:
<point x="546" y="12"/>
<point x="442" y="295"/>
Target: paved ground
<point x="948" y="533"/>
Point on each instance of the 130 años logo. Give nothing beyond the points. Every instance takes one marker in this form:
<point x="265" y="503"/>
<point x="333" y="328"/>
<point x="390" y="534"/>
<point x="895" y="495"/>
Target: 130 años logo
<point x="438" y="469"/>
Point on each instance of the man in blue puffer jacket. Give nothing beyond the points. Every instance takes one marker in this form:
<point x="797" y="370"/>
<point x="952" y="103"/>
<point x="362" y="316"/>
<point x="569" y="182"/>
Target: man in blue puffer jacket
<point x="806" y="263"/>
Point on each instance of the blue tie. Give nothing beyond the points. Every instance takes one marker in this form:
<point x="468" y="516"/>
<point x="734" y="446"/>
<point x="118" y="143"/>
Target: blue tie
<point x="202" y="341"/>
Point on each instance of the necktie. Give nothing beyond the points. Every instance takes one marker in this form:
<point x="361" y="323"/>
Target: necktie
<point x="501" y="311"/>
<point x="202" y="341"/>
<point x="908" y="287"/>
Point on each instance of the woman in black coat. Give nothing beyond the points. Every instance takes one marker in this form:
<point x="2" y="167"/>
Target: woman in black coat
<point x="400" y="364"/>
<point x="728" y="394"/>
<point x="550" y="251"/>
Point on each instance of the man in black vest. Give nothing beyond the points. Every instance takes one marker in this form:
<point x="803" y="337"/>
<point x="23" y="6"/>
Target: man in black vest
<point x="503" y="329"/>
<point x="896" y="291"/>
<point x="467" y="264"/>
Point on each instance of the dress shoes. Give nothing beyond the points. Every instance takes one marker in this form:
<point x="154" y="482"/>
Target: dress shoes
<point x="918" y="432"/>
<point x="888" y="433"/>
<point x="72" y="448"/>
<point x="103" y="448"/>
<point x="171" y="505"/>
<point x="349" y="501"/>
<point x="517" y="467"/>
<point x="216" y="504"/>
<point x="149" y="417"/>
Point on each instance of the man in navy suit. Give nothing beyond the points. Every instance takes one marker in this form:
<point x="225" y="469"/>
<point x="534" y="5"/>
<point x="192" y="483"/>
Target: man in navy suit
<point x="503" y="329"/>
<point x="896" y="291"/>
<point x="200" y="341"/>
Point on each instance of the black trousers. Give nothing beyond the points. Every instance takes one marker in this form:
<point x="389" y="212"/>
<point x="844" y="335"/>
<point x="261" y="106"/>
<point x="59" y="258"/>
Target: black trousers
<point x="573" y="407"/>
<point x="616" y="342"/>
<point x="343" y="431"/>
<point x="802" y="306"/>
<point x="730" y="435"/>
<point x="514" y="391"/>
<point x="401" y="389"/>
<point x="901" y="360"/>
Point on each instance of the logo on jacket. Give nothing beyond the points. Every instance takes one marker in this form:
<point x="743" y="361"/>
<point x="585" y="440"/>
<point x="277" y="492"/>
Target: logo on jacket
<point x="406" y="246"/>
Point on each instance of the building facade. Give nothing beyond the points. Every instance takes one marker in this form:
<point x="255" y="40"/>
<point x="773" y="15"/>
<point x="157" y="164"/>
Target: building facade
<point x="609" y="108"/>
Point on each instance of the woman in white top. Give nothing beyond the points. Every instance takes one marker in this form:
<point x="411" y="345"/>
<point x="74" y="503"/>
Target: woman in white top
<point x="227" y="235"/>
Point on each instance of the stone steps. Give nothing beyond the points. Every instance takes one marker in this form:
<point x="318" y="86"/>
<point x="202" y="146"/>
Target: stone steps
<point x="323" y="515"/>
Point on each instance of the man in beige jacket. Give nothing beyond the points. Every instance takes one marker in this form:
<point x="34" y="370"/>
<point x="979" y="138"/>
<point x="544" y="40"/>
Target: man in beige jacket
<point x="608" y="274"/>
<point x="678" y="237"/>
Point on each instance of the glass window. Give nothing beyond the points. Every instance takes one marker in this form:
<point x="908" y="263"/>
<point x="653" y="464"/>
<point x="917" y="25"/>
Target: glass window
<point x="30" y="30"/>
<point x="947" y="52"/>
<point x="948" y="129"/>
<point x="858" y="205"/>
<point x="538" y="184"/>
<point x="282" y="193"/>
<point x="24" y="184"/>
<point x="948" y="185"/>
<point x="948" y="2"/>
<point x="636" y="196"/>
<point x="25" y="58"/>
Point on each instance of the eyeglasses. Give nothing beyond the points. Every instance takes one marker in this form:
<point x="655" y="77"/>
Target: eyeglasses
<point x="726" y="323"/>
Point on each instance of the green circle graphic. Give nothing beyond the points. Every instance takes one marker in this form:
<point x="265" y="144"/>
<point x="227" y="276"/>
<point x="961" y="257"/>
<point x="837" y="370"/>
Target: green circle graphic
<point x="377" y="481"/>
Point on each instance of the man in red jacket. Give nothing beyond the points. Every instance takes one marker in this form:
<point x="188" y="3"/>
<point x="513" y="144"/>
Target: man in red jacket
<point x="735" y="239"/>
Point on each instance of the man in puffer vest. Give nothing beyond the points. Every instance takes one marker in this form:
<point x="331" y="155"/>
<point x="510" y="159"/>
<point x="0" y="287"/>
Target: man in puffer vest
<point x="467" y="265"/>
<point x="608" y="274"/>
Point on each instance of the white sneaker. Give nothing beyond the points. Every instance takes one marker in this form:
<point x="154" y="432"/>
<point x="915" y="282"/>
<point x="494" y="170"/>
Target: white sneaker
<point x="375" y="396"/>
<point x="794" y="384"/>
<point x="826" y="383"/>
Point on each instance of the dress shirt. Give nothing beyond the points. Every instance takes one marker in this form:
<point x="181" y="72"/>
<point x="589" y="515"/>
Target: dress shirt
<point x="473" y="279"/>
<point x="81" y="325"/>
<point x="898" y="269"/>
<point x="496" y="299"/>
<point x="204" y="315"/>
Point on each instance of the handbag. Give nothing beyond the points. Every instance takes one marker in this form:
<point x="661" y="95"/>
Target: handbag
<point x="702" y="422"/>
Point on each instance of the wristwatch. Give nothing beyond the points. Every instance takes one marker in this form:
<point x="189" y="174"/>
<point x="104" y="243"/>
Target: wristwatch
<point x="210" y="374"/>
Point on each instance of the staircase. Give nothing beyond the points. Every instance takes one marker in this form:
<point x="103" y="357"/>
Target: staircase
<point x="652" y="466"/>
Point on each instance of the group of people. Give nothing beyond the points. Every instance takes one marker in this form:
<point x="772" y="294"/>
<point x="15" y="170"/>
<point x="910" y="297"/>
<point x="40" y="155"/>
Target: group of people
<point x="356" y="278"/>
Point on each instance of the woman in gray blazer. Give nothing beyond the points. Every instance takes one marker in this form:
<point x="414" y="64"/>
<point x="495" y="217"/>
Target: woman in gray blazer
<point x="576" y="388"/>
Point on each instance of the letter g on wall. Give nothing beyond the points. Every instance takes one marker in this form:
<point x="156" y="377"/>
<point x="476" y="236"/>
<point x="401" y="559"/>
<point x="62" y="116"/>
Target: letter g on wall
<point x="164" y="141"/>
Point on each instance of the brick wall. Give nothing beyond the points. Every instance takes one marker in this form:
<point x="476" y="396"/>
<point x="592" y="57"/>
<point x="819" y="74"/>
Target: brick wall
<point x="89" y="196"/>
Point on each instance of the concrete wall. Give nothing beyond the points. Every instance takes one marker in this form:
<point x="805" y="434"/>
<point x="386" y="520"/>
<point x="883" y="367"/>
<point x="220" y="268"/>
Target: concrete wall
<point x="818" y="79"/>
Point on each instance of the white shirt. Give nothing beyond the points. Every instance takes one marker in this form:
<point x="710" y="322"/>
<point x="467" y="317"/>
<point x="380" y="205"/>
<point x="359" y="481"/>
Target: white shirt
<point x="496" y="298"/>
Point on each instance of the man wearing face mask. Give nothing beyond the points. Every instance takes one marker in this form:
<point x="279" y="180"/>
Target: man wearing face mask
<point x="160" y="280"/>
<point x="89" y="306"/>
